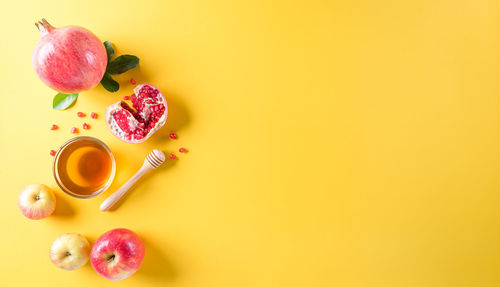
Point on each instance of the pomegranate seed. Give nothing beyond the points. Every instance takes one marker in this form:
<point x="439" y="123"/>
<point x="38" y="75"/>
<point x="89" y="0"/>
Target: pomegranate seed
<point x="126" y="98"/>
<point x="182" y="149"/>
<point x="86" y="126"/>
<point x="172" y="156"/>
<point x="74" y="130"/>
<point x="132" y="81"/>
<point x="93" y="115"/>
<point x="54" y="127"/>
<point x="52" y="152"/>
<point x="173" y="136"/>
<point x="80" y="114"/>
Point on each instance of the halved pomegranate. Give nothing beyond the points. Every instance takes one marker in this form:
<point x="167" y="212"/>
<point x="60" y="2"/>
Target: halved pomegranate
<point x="137" y="123"/>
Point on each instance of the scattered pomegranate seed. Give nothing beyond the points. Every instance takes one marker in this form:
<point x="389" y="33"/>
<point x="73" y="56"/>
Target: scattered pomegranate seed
<point x="52" y="152"/>
<point x="126" y="98"/>
<point x="132" y="81"/>
<point x="182" y="149"/>
<point x="54" y="127"/>
<point x="80" y="114"/>
<point x="173" y="136"/>
<point x="86" y="126"/>
<point x="172" y="156"/>
<point x="93" y="115"/>
<point x="74" y="130"/>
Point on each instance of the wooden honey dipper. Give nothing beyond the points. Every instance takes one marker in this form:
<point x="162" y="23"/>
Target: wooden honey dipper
<point x="152" y="161"/>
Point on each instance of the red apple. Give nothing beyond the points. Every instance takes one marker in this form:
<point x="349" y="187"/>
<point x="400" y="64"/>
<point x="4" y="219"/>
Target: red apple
<point x="117" y="254"/>
<point x="37" y="201"/>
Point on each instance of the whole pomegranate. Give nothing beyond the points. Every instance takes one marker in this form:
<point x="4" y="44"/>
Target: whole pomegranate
<point x="69" y="59"/>
<point x="148" y="115"/>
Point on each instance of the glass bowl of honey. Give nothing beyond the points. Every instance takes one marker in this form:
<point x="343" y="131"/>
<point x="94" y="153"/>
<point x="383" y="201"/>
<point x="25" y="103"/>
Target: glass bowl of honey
<point x="84" y="167"/>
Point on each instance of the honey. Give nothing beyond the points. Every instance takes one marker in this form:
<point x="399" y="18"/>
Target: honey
<point x="84" y="167"/>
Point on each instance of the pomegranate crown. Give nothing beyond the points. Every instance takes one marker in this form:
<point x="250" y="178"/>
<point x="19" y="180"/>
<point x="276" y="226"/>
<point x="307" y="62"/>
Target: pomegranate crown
<point x="44" y="27"/>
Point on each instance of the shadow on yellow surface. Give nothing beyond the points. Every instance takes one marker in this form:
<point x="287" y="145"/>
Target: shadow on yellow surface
<point x="156" y="264"/>
<point x="63" y="208"/>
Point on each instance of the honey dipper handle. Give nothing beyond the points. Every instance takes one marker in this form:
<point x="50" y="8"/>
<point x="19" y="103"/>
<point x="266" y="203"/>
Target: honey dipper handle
<point x="115" y="197"/>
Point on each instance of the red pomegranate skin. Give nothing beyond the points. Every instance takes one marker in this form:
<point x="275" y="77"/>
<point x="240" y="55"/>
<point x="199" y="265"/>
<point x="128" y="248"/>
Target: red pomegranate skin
<point x="69" y="59"/>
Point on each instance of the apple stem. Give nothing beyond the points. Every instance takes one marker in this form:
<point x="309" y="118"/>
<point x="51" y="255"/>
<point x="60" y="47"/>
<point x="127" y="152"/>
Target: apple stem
<point x="67" y="253"/>
<point x="110" y="258"/>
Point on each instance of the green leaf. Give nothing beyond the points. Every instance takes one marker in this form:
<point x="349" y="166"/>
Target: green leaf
<point x="63" y="101"/>
<point x="122" y="64"/>
<point x="109" y="84"/>
<point x="109" y="50"/>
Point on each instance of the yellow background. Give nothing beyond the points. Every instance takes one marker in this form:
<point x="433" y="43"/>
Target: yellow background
<point x="332" y="143"/>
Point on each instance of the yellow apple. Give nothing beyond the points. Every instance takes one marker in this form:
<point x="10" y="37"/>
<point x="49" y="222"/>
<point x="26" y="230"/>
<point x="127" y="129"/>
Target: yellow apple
<point x="70" y="251"/>
<point x="37" y="201"/>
